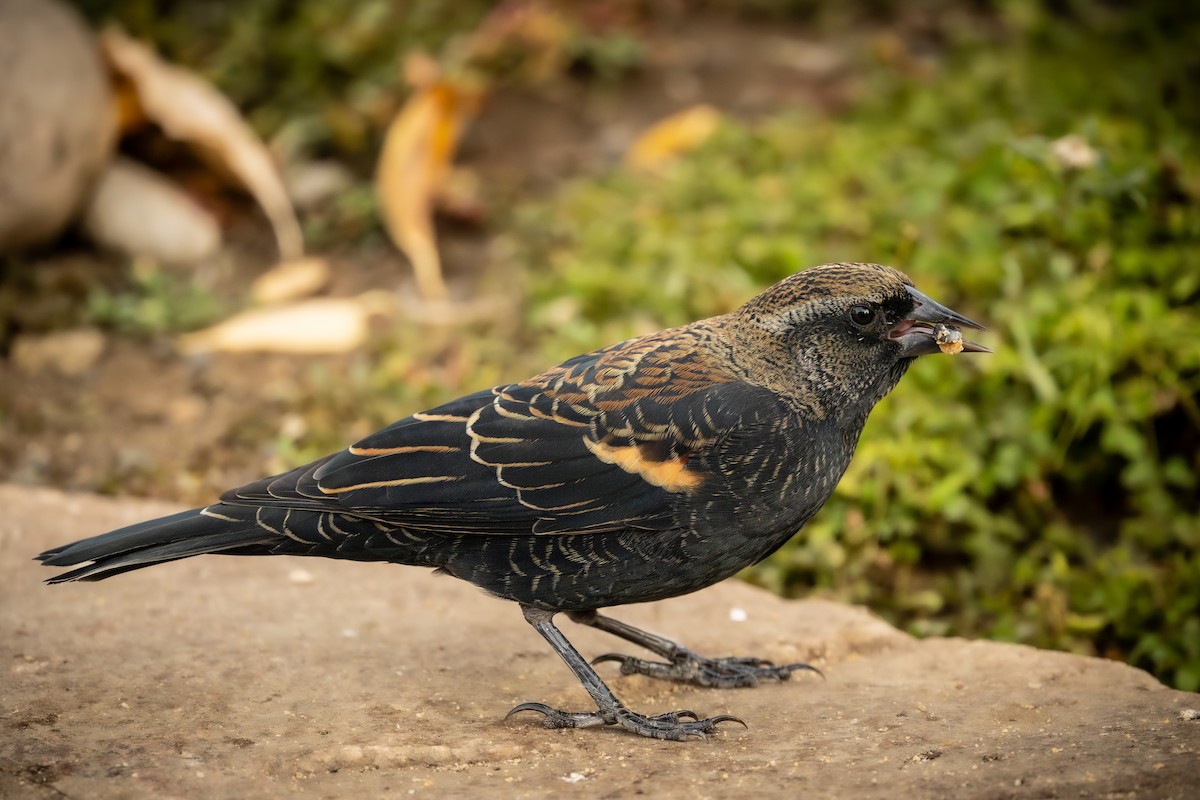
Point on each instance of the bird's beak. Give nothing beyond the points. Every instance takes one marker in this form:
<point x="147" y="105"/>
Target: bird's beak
<point x="915" y="332"/>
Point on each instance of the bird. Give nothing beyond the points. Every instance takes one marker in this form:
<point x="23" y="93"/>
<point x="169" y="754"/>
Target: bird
<point x="640" y="471"/>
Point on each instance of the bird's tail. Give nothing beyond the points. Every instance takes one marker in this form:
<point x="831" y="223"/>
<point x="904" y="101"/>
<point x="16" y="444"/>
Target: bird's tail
<point x="213" y="529"/>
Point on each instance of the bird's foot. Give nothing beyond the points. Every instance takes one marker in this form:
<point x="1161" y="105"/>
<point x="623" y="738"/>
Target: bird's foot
<point x="675" y="726"/>
<point x="721" y="673"/>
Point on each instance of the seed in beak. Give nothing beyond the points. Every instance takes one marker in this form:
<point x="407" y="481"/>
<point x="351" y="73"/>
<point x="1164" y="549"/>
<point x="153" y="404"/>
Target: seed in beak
<point x="949" y="340"/>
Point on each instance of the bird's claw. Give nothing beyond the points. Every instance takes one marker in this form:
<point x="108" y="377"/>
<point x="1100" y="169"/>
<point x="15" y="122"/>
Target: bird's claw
<point x="670" y="726"/>
<point x="724" y="673"/>
<point x="553" y="718"/>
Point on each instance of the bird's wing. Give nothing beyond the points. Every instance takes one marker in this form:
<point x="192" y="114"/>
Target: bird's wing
<point x="602" y="442"/>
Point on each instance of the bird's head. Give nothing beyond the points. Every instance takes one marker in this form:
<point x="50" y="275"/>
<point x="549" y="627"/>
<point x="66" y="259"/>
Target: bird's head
<point x="840" y="336"/>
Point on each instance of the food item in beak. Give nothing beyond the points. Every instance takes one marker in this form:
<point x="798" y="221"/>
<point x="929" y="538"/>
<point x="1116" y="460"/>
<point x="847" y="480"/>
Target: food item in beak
<point x="949" y="340"/>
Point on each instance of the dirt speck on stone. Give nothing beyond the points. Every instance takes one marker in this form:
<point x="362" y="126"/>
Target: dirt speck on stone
<point x="220" y="677"/>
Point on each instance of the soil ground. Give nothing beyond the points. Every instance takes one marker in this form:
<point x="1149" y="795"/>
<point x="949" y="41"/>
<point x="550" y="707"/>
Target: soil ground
<point x="241" y="677"/>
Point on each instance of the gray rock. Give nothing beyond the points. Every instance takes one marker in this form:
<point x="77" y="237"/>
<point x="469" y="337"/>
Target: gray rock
<point x="57" y="118"/>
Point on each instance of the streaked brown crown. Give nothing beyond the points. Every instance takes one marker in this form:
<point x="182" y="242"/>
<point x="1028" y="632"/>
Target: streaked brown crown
<point x="807" y="294"/>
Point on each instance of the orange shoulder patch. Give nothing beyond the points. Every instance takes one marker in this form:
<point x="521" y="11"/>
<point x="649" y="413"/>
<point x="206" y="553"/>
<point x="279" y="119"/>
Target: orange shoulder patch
<point x="671" y="475"/>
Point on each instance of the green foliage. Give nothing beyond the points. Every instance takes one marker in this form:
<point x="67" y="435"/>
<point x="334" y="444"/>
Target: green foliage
<point x="1045" y="494"/>
<point x="155" y="302"/>
<point x="1048" y="493"/>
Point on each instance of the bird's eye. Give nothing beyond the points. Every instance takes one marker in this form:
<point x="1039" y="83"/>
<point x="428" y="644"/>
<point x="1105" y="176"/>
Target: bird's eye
<point x="862" y="316"/>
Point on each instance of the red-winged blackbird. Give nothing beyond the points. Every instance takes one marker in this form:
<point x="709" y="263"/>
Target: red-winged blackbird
<point x="644" y="470"/>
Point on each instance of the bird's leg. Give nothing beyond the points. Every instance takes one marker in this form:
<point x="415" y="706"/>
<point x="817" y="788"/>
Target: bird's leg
<point x="682" y="664"/>
<point x="675" y="725"/>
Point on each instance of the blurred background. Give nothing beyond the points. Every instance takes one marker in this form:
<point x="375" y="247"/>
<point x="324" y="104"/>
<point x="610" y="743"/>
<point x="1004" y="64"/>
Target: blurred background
<point x="234" y="237"/>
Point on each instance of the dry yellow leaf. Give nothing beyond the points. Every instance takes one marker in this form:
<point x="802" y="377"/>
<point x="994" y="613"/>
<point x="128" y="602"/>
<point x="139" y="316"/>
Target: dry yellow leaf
<point x="324" y="325"/>
<point x="420" y="145"/>
<point x="669" y="138"/>
<point x="190" y="109"/>
<point x="291" y="280"/>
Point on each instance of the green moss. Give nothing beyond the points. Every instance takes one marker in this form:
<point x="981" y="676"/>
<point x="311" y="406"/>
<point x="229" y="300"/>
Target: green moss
<point x="1048" y="493"/>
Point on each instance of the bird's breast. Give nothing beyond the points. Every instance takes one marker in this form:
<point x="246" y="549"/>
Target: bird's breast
<point x="769" y="480"/>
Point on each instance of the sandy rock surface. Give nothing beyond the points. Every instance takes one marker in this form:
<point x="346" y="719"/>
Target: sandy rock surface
<point x="241" y="677"/>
